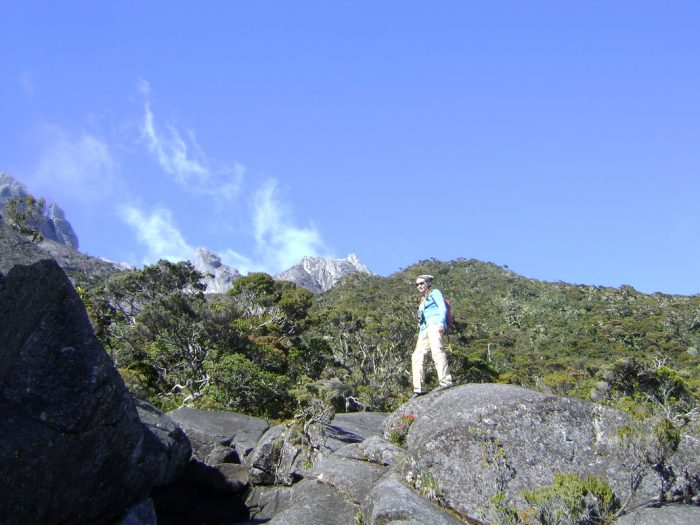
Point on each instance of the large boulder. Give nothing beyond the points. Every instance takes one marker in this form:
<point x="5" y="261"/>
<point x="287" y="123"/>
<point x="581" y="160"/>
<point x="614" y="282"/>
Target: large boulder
<point x="72" y="447"/>
<point x="284" y="456"/>
<point x="475" y="440"/>
<point x="341" y="476"/>
<point x="392" y="501"/>
<point x="167" y="450"/>
<point x="218" y="436"/>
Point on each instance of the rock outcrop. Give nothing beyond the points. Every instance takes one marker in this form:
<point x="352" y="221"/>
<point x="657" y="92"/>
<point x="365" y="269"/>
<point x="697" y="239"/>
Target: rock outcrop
<point x="218" y="277"/>
<point x="459" y="441"/>
<point x="533" y="436"/>
<point x="212" y="488"/>
<point x="55" y="228"/>
<point x="320" y="274"/>
<point x="317" y="274"/>
<point x="73" y="449"/>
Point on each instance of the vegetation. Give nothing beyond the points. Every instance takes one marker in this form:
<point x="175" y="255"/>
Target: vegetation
<point x="571" y="500"/>
<point x="266" y="345"/>
<point x="27" y="214"/>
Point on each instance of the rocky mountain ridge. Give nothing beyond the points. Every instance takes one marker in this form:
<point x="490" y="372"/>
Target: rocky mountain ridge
<point x="317" y="274"/>
<point x="320" y="274"/>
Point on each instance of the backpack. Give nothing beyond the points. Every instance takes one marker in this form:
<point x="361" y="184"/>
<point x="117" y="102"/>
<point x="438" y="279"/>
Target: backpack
<point x="448" y="317"/>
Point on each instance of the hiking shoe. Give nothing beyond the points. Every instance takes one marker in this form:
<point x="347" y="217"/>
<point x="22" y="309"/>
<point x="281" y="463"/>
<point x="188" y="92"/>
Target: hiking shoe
<point x="416" y="394"/>
<point x="440" y="388"/>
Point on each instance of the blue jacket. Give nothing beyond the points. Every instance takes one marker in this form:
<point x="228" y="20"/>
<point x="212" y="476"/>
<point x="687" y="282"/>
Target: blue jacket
<point x="432" y="310"/>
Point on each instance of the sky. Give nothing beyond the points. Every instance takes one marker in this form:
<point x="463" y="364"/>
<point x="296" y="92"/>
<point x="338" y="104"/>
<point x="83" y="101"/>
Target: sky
<point x="560" y="139"/>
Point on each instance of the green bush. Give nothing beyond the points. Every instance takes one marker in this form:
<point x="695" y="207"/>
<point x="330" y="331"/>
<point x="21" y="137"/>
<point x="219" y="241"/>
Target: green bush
<point x="572" y="500"/>
<point x="241" y="386"/>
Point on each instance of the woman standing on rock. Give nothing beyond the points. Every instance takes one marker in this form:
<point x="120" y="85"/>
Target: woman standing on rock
<point x="432" y="323"/>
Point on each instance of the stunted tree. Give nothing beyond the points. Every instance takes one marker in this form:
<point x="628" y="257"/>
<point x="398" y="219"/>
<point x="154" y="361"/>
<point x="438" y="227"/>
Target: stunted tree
<point x="151" y="321"/>
<point x="129" y="292"/>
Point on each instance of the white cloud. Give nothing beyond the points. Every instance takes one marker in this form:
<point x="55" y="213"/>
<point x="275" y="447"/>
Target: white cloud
<point x="179" y="155"/>
<point x="158" y="232"/>
<point x="74" y="168"/>
<point x="280" y="243"/>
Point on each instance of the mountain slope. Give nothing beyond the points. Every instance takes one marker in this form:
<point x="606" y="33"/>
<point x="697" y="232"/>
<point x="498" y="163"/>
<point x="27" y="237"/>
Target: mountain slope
<point x="550" y="335"/>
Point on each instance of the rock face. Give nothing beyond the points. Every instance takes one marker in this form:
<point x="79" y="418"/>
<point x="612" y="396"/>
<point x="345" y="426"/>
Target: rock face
<point x="218" y="277"/>
<point x="55" y="228"/>
<point x="220" y="437"/>
<point x="320" y="274"/>
<point x="460" y="440"/>
<point x="72" y="447"/>
<point x="671" y="514"/>
<point x="17" y="249"/>
<point x="211" y="489"/>
<point x="533" y="436"/>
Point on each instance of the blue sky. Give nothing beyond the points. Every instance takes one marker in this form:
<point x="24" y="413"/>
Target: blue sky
<point x="560" y="138"/>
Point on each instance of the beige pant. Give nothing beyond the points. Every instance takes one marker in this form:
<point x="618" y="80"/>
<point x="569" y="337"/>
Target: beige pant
<point x="429" y="339"/>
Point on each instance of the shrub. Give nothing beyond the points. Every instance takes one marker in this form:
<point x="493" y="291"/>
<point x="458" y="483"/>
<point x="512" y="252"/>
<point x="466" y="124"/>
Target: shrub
<point x="573" y="500"/>
<point x="241" y="386"/>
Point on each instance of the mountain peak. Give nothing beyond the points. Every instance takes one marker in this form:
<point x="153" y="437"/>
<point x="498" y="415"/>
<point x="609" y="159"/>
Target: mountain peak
<point x="319" y="274"/>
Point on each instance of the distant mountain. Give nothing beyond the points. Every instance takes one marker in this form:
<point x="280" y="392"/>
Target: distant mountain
<point x="319" y="274"/>
<point x="55" y="228"/>
<point x="218" y="277"/>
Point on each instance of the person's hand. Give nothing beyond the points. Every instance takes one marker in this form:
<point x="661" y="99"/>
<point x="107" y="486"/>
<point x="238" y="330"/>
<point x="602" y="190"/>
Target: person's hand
<point x="442" y="329"/>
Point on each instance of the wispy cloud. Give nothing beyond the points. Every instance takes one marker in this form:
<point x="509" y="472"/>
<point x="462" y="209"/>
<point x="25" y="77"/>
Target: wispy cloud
<point x="74" y="168"/>
<point x="279" y="242"/>
<point x="157" y="231"/>
<point x="179" y="155"/>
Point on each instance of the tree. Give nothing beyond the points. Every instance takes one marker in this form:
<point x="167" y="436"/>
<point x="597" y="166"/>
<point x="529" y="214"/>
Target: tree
<point x="129" y="292"/>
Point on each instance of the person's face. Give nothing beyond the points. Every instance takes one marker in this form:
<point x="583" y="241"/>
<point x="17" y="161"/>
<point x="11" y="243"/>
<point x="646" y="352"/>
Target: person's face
<point x="421" y="285"/>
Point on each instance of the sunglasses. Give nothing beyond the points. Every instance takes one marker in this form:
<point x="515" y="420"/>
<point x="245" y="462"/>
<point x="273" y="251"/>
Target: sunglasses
<point x="420" y="284"/>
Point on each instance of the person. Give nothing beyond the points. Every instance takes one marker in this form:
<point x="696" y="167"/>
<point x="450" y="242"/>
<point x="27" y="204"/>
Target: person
<point x="432" y="323"/>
